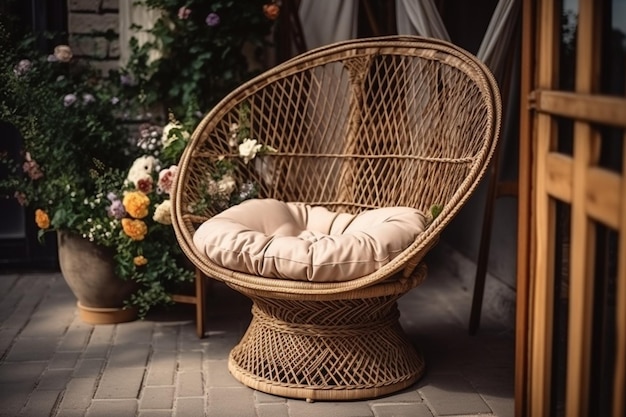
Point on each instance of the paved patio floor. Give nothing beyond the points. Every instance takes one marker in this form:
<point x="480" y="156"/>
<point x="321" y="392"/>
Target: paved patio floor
<point x="52" y="364"/>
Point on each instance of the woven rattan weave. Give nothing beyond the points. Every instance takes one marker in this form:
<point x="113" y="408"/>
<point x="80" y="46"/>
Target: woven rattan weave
<point x="394" y="121"/>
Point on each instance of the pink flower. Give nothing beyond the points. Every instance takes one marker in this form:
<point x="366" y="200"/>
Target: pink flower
<point x="166" y="179"/>
<point x="184" y="12"/>
<point x="32" y="168"/>
<point x="21" y="198"/>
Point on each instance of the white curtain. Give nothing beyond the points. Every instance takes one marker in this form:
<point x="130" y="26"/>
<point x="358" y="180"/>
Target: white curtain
<point x="328" y="21"/>
<point x="499" y="36"/>
<point x="420" y="17"/>
<point x="129" y="14"/>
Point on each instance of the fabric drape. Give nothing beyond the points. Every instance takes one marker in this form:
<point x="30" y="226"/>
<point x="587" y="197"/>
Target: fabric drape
<point x="420" y="17"/>
<point x="499" y="36"/>
<point x="328" y="21"/>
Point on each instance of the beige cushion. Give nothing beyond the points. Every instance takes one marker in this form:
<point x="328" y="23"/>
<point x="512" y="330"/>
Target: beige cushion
<point x="271" y="238"/>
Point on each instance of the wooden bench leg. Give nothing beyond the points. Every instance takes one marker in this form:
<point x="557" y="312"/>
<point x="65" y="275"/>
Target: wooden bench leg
<point x="198" y="299"/>
<point x="483" y="253"/>
<point x="496" y="189"/>
<point x="200" y="303"/>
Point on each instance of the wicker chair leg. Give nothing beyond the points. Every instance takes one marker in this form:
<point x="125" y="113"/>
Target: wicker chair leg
<point x="334" y="350"/>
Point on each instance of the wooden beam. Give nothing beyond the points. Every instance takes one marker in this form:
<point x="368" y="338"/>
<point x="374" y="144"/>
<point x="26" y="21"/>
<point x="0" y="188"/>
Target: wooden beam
<point x="525" y="252"/>
<point x="542" y="314"/>
<point x="606" y="110"/>
<point x="603" y="189"/>
<point x="542" y="279"/>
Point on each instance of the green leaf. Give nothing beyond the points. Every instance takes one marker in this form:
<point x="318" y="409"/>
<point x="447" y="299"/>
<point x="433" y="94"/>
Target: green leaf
<point x="435" y="210"/>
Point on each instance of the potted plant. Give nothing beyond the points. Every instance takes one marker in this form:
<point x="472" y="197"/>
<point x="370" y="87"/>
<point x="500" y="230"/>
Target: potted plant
<point x="76" y="148"/>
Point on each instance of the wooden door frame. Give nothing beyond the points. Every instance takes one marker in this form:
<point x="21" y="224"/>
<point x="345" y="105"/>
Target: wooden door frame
<point x="594" y="195"/>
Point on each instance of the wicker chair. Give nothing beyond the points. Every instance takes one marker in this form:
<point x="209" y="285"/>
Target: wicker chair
<point x="357" y="125"/>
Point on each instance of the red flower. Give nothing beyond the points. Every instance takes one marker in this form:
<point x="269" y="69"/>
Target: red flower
<point x="145" y="184"/>
<point x="271" y="11"/>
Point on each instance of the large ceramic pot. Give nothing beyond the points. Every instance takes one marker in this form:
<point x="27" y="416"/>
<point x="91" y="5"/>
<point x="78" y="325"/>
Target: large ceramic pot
<point x="89" y="271"/>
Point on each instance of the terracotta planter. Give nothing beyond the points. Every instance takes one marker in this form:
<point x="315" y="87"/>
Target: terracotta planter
<point x="89" y="271"/>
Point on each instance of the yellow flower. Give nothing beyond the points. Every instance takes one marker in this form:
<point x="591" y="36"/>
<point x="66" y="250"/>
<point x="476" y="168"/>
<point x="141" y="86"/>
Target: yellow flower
<point x="140" y="260"/>
<point x="136" y="204"/>
<point x="135" y="229"/>
<point x="42" y="219"/>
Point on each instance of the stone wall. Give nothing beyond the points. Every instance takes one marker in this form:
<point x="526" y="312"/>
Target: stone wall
<point x="93" y="26"/>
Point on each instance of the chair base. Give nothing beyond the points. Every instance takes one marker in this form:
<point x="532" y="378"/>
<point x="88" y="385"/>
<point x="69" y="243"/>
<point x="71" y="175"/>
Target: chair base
<point x="329" y="349"/>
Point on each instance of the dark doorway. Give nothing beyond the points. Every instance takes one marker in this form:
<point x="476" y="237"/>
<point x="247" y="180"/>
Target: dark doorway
<point x="19" y="246"/>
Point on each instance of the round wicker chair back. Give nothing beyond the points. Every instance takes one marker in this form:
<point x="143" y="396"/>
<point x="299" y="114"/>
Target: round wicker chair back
<point x="392" y="121"/>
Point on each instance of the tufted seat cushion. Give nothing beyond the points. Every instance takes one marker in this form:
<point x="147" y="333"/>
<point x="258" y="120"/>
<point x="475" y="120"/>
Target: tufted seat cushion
<point x="296" y="241"/>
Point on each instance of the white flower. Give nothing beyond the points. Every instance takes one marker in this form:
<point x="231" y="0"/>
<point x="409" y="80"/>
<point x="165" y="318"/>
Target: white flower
<point x="234" y="131"/>
<point x="248" y="149"/>
<point x="22" y="67"/>
<point x="226" y="185"/>
<point x="170" y="136"/>
<point x="63" y="53"/>
<point x="142" y="168"/>
<point x="163" y="213"/>
<point x="212" y="187"/>
<point x="88" y="98"/>
<point x="69" y="99"/>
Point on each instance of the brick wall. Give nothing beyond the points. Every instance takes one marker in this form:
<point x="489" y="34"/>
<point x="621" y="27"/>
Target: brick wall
<point x="93" y="26"/>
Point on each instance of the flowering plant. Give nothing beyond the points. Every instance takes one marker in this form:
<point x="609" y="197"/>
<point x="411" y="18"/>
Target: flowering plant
<point x="81" y="169"/>
<point x="134" y="215"/>
<point x="66" y="114"/>
<point x="78" y="170"/>
<point x="224" y="186"/>
<point x="204" y="49"/>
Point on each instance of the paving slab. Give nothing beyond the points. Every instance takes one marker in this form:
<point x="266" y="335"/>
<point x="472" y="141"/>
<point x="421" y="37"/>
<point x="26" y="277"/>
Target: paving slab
<point x="52" y="364"/>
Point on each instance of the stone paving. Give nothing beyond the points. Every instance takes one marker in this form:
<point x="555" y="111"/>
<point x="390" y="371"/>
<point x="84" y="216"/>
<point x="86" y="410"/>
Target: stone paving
<point x="52" y="364"/>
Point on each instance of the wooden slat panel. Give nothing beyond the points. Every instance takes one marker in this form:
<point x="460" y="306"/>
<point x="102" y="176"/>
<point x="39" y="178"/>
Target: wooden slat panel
<point x="599" y="109"/>
<point x="582" y="260"/>
<point x="559" y="176"/>
<point x="619" y="383"/>
<point x="542" y="280"/>
<point x="583" y="236"/>
<point x="603" y="196"/>
<point x="543" y="284"/>
<point x="603" y="189"/>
